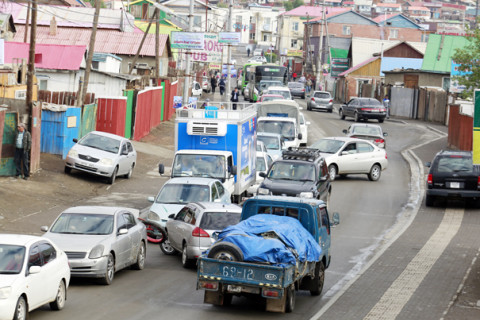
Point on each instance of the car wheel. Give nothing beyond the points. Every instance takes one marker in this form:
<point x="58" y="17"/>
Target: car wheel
<point x="112" y="178"/>
<point x="130" y="172"/>
<point x="225" y="251"/>
<point x="290" y="298"/>
<point x="429" y="200"/>
<point x="375" y="173"/>
<point x="59" y="301"/>
<point x="186" y="262"/>
<point x="318" y="280"/>
<point x="303" y="97"/>
<point x="356" y="116"/>
<point x="142" y="253"/>
<point x="21" y="310"/>
<point x="109" y="271"/>
<point x="68" y="170"/>
<point x="332" y="171"/>
<point x="340" y="113"/>
<point x="330" y="110"/>
<point x="381" y="120"/>
<point x="167" y="249"/>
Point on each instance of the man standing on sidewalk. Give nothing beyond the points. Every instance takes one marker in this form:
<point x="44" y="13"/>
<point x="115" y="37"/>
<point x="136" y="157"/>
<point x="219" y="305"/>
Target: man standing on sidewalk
<point x="23" y="143"/>
<point x="234" y="98"/>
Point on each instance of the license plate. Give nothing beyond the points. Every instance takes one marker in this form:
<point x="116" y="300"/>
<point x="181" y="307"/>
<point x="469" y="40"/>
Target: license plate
<point x="455" y="185"/>
<point x="374" y="110"/>
<point x="87" y="164"/>
<point x="236" y="289"/>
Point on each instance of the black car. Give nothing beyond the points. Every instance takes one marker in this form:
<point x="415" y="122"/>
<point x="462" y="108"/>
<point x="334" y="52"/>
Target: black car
<point x="363" y="109"/>
<point x="452" y="175"/>
<point x="297" y="89"/>
<point x="302" y="172"/>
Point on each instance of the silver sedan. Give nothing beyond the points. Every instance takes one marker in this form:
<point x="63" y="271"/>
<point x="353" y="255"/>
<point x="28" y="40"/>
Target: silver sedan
<point x="99" y="240"/>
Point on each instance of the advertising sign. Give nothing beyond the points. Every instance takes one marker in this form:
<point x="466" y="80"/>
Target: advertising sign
<point x="454" y="72"/>
<point x="295" y="53"/>
<point x="212" y="50"/>
<point x="229" y="37"/>
<point x="476" y="128"/>
<point x="187" y="40"/>
<point x="247" y="165"/>
<point x="339" y="65"/>
<point x="177" y="102"/>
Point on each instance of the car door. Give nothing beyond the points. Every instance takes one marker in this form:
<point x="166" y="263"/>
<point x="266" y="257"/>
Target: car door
<point x="174" y="228"/>
<point x="350" y="108"/>
<point x="132" y="155"/>
<point x="134" y="231"/>
<point x="322" y="181"/>
<point x="222" y="193"/>
<point x="50" y="268"/>
<point x="347" y="158"/>
<point x="121" y="243"/>
<point x="214" y="193"/>
<point x="123" y="162"/>
<point x="35" y="282"/>
<point x="366" y="157"/>
<point x="323" y="228"/>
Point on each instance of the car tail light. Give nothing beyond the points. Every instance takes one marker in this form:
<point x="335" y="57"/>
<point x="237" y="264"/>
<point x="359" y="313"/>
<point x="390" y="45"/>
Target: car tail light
<point x="270" y="293"/>
<point x="331" y="101"/>
<point x="386" y="157"/>
<point x="199" y="232"/>
<point x="430" y="179"/>
<point x="303" y="89"/>
<point x="313" y="99"/>
<point x="478" y="182"/>
<point x="379" y="141"/>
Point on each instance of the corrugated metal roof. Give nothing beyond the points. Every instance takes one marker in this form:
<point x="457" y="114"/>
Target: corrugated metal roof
<point x="55" y="57"/>
<point x="389" y="64"/>
<point x="440" y="48"/>
<point x="106" y="41"/>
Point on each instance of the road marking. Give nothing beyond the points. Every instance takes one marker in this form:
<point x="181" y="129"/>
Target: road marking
<point x="402" y="289"/>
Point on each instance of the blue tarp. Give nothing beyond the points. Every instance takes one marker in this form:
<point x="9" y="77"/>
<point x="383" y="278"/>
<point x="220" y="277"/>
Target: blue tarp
<point x="293" y="240"/>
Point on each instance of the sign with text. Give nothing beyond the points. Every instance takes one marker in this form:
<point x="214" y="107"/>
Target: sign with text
<point x="294" y="53"/>
<point x="212" y="50"/>
<point x="229" y="37"/>
<point x="339" y="65"/>
<point x="188" y="40"/>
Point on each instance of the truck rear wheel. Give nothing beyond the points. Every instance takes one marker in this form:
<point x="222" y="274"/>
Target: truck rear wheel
<point x="290" y="298"/>
<point x="318" y="280"/>
<point x="225" y="251"/>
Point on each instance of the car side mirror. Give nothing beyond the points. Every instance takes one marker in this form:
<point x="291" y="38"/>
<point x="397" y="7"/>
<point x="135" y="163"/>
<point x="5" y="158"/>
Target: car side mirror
<point x="300" y="136"/>
<point x="233" y="170"/>
<point x="324" y="178"/>
<point x="308" y="123"/>
<point x="385" y="134"/>
<point x="263" y="174"/>
<point x="125" y="153"/>
<point x="217" y="200"/>
<point x="75" y="140"/>
<point x="151" y="199"/>
<point x="44" y="228"/>
<point x="172" y="216"/>
<point x="344" y="153"/>
<point x="161" y="168"/>
<point x="34" y="269"/>
<point x="344" y="131"/>
<point x="336" y="218"/>
<point x="122" y="231"/>
<point x="428" y="164"/>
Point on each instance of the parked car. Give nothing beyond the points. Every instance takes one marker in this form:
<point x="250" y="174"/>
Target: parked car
<point x="452" y="175"/>
<point x="262" y="164"/>
<point x="196" y="89"/>
<point x="33" y="271"/>
<point x="257" y="59"/>
<point x="274" y="143"/>
<point x="279" y="90"/>
<point x="304" y="129"/>
<point x="270" y="97"/>
<point x="258" y="52"/>
<point x="297" y="89"/>
<point x="177" y="192"/>
<point x="100" y="241"/>
<point x="363" y="109"/>
<point x="193" y="229"/>
<point x="103" y="154"/>
<point x="206" y="84"/>
<point x="369" y="132"/>
<point x="351" y="156"/>
<point x="320" y="100"/>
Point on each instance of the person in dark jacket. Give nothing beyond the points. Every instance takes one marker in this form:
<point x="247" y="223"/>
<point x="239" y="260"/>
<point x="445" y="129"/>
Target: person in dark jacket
<point x="221" y="85"/>
<point x="234" y="98"/>
<point x="23" y="143"/>
<point x="213" y="82"/>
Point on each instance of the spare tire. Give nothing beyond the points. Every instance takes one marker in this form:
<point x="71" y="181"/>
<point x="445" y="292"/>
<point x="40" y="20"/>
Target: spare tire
<point x="225" y="251"/>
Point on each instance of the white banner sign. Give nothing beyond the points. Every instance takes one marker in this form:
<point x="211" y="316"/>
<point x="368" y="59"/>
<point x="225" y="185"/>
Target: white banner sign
<point x="187" y="40"/>
<point x="212" y="51"/>
<point x="229" y="37"/>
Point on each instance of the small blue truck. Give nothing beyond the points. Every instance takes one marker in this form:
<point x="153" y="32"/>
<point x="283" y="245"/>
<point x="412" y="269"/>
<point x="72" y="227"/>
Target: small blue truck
<point x="223" y="273"/>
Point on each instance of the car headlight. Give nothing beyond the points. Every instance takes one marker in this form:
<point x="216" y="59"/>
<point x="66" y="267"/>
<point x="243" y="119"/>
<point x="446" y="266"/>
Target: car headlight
<point x="73" y="153"/>
<point x="106" y="161"/>
<point x="153" y="216"/>
<point x="263" y="191"/>
<point x="306" y="194"/>
<point x="5" y="292"/>
<point x="96" y="252"/>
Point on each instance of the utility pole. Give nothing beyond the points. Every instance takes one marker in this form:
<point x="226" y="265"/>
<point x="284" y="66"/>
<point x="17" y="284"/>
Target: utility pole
<point x="132" y="65"/>
<point x="31" y="60"/>
<point x="188" y="68"/>
<point x="157" y="49"/>
<point x="91" y="49"/>
<point x="319" y="75"/>
<point x="206" y="16"/>
<point x="229" y="52"/>
<point x="26" y="23"/>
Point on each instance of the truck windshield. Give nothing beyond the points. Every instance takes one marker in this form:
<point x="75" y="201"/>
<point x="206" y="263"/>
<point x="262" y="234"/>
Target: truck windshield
<point x="194" y="165"/>
<point x="272" y="143"/>
<point x="292" y="171"/>
<point x="183" y="193"/>
<point x="284" y="128"/>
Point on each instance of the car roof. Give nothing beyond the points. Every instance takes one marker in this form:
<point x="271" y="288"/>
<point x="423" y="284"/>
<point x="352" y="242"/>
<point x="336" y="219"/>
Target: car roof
<point x="283" y="119"/>
<point x="278" y="88"/>
<point x="371" y="125"/>
<point x="272" y="95"/>
<point x="283" y="102"/>
<point x="346" y="139"/>
<point x="18" y="239"/>
<point x="311" y="201"/>
<point x="216" y="206"/>
<point x="191" y="180"/>
<point x="106" y="134"/>
<point x="97" y="210"/>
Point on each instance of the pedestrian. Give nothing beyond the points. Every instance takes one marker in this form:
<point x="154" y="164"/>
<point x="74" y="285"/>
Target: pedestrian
<point x="386" y="103"/>
<point x="213" y="82"/>
<point x="23" y="143"/>
<point x="248" y="52"/>
<point x="294" y="75"/>
<point x="221" y="85"/>
<point x="313" y="83"/>
<point x="234" y="98"/>
<point x="309" y="85"/>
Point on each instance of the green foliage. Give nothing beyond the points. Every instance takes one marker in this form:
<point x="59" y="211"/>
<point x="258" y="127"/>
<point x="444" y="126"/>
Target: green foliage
<point x="92" y="2"/>
<point x="289" y="5"/>
<point x="222" y="5"/>
<point x="271" y="57"/>
<point x="469" y="60"/>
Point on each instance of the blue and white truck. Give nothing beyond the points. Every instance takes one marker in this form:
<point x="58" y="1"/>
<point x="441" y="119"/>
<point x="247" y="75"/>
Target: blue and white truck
<point x="218" y="144"/>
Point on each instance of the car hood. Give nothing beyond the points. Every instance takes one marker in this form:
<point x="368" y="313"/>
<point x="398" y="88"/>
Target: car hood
<point x="76" y="242"/>
<point x="8" y="280"/>
<point x="166" y="209"/>
<point x="96" y="153"/>
<point x="288" y="187"/>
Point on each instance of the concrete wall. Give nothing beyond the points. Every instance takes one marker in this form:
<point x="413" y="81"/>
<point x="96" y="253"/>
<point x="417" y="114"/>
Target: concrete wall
<point x="424" y="79"/>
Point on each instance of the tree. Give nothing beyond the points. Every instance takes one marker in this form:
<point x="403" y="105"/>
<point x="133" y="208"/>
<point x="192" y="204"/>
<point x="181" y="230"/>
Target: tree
<point x="469" y="60"/>
<point x="289" y="5"/>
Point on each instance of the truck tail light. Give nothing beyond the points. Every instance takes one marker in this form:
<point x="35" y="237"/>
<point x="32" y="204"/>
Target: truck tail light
<point x="270" y="293"/>
<point x="207" y="285"/>
<point x="430" y="179"/>
<point x="199" y="232"/>
<point x="478" y="182"/>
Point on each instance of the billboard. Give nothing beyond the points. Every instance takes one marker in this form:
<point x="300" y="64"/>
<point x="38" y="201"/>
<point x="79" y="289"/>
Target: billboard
<point x="212" y="50"/>
<point x="187" y="40"/>
<point x="232" y="38"/>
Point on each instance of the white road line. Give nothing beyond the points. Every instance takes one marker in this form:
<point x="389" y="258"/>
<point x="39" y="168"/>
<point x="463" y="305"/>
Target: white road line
<point x="402" y="289"/>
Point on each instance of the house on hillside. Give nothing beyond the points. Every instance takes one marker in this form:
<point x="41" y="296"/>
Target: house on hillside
<point x="386" y="8"/>
<point x="143" y="11"/>
<point x="7" y="27"/>
<point x="364" y="7"/>
<point x="181" y="10"/>
<point x="399" y="27"/>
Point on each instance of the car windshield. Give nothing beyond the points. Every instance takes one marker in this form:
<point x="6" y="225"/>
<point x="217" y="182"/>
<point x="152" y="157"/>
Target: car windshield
<point x="284" y="128"/>
<point x="82" y="223"/>
<point x="455" y="164"/>
<point x="183" y="193"/>
<point x="219" y="220"/>
<point x="194" y="165"/>
<point x="328" y="145"/>
<point x="100" y="142"/>
<point x="283" y="93"/>
<point x="322" y="95"/>
<point x="281" y="170"/>
<point x="260" y="164"/>
<point x="370" y="102"/>
<point x="271" y="98"/>
<point x="272" y="143"/>
<point x="11" y="258"/>
<point x="372" y="131"/>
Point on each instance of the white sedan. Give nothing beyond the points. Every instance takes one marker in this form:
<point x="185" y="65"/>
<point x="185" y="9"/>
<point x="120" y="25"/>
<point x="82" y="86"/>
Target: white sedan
<point x="33" y="272"/>
<point x="351" y="156"/>
<point x="304" y="129"/>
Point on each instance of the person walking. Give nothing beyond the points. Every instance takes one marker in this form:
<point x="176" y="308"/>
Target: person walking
<point x="213" y="82"/>
<point x="221" y="85"/>
<point x="23" y="143"/>
<point x="309" y="85"/>
<point x="294" y="75"/>
<point x="386" y="103"/>
<point x="234" y="98"/>
<point x="248" y="52"/>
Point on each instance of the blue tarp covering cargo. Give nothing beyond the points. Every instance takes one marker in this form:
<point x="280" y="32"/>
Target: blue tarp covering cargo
<point x="291" y="241"/>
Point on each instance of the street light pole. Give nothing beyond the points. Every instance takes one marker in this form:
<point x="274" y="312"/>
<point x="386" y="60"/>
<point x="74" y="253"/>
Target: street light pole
<point x="188" y="53"/>
<point x="229" y="52"/>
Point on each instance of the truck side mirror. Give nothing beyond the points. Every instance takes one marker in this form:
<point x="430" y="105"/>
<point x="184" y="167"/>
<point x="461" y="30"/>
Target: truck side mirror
<point x="336" y="218"/>
<point x="344" y="131"/>
<point x="233" y="170"/>
<point x="263" y="174"/>
<point x="75" y="140"/>
<point x="300" y="136"/>
<point x="385" y="134"/>
<point x="161" y="168"/>
<point x="428" y="164"/>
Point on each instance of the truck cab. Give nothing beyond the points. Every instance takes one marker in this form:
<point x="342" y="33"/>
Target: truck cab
<point x="286" y="127"/>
